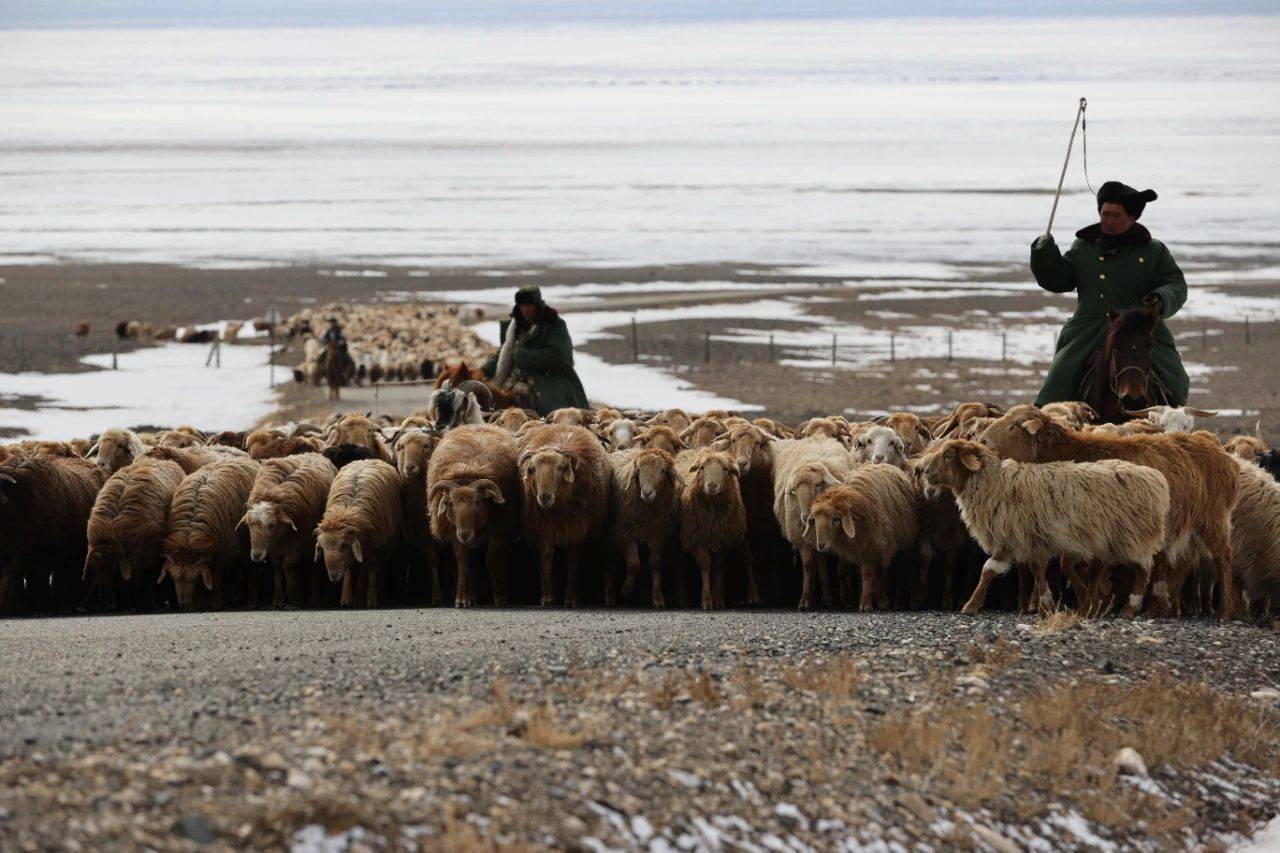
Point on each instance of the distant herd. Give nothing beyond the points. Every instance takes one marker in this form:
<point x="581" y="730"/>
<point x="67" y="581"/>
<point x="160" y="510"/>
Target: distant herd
<point x="606" y="507"/>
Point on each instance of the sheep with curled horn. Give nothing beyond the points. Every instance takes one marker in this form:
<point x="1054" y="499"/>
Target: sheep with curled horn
<point x="1247" y="447"/>
<point x="450" y="407"/>
<point x="1172" y="418"/>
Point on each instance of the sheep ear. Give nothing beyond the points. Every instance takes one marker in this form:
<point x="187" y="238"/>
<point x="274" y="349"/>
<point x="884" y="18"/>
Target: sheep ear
<point x="318" y="553"/>
<point x="289" y="521"/>
<point x="846" y="524"/>
<point x="830" y="479"/>
<point x="207" y="576"/>
<point x="357" y="550"/>
<point x="971" y="460"/>
<point x="1031" y="425"/>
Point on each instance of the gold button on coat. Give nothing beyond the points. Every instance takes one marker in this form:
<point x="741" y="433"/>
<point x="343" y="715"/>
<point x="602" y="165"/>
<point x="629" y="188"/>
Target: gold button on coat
<point x="1100" y="275"/>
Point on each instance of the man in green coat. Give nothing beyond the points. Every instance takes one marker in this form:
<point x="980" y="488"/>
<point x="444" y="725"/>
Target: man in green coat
<point x="538" y="356"/>
<point x="1114" y="264"/>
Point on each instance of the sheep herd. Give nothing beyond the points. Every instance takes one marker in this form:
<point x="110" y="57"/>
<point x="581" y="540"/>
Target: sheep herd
<point x="1152" y="517"/>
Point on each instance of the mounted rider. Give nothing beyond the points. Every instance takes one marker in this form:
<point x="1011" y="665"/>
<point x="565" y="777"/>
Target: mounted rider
<point x="335" y="334"/>
<point x="536" y="355"/>
<point x="1112" y="265"/>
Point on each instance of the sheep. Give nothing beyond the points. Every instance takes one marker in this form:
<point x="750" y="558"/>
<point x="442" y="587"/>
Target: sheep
<point x="674" y="419"/>
<point x="830" y="427"/>
<point x="279" y="447"/>
<point x="642" y="511"/>
<point x="1172" y="418"/>
<point x="228" y="438"/>
<point x="126" y="532"/>
<point x="713" y="520"/>
<point x="566" y="480"/>
<point x="192" y="459"/>
<point x="914" y="434"/>
<point x="962" y="413"/>
<point x="750" y="448"/>
<point x="701" y="432"/>
<point x="453" y="407"/>
<point x="286" y="502"/>
<point x="777" y="429"/>
<point x="1255" y="540"/>
<point x="1201" y="479"/>
<point x="361" y="525"/>
<point x="201" y="542"/>
<point x="1029" y="512"/>
<point x="116" y="448"/>
<point x="1269" y="461"/>
<point x="511" y="419"/>
<point x="880" y="444"/>
<point x="345" y="454"/>
<point x="358" y="429"/>
<point x="1247" y="446"/>
<point x="660" y="437"/>
<point x="802" y="468"/>
<point x="1072" y="414"/>
<point x="571" y="417"/>
<point x="618" y="433"/>
<point x="473" y="500"/>
<point x="941" y="529"/>
<point x="45" y="502"/>
<point x="866" y="519"/>
<point x="412" y="448"/>
<point x="183" y="436"/>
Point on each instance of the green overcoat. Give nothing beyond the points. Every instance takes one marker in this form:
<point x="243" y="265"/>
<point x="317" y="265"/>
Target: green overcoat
<point x="545" y="356"/>
<point x="1118" y="272"/>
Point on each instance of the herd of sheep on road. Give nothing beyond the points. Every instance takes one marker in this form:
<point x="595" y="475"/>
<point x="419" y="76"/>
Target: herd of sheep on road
<point x="1152" y="516"/>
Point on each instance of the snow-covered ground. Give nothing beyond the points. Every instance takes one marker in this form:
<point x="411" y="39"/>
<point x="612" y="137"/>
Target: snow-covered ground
<point x="166" y="385"/>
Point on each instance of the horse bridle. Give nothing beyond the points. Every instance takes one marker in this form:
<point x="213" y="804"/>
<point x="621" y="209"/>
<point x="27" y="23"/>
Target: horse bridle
<point x="1115" y="377"/>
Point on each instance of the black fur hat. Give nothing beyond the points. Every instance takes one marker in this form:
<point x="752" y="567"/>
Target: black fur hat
<point x="1114" y="192"/>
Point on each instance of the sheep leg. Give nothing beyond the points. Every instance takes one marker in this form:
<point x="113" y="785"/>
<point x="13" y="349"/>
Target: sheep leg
<point x="1024" y="596"/>
<point x="806" y="564"/>
<point x="948" y="579"/>
<point x="631" y="556"/>
<point x="753" y="588"/>
<point x="462" y="592"/>
<point x="345" y="599"/>
<point x="655" y="571"/>
<point x="920" y="592"/>
<point x="991" y="569"/>
<point x="867" y="572"/>
<point x="7" y="587"/>
<point x="824" y="581"/>
<point x="547" y="556"/>
<point x="1219" y="546"/>
<point x="844" y="579"/>
<point x="433" y="566"/>
<point x="373" y="594"/>
<point x="1100" y="592"/>
<point x="1141" y="577"/>
<point x="1067" y="566"/>
<point x="717" y="578"/>
<point x="571" y="577"/>
<point x="318" y="580"/>
<point x="277" y="586"/>
<point x="493" y="559"/>
<point x="704" y="566"/>
<point x="1043" y="595"/>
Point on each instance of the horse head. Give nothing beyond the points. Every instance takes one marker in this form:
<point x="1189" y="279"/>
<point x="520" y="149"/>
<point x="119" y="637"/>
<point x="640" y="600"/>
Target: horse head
<point x="1130" y="340"/>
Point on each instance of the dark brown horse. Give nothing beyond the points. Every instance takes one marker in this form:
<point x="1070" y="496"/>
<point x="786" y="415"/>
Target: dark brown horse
<point x="335" y="368"/>
<point x="1120" y="375"/>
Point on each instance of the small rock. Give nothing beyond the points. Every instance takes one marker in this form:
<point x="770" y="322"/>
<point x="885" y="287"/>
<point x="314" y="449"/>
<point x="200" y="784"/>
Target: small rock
<point x="299" y="780"/>
<point x="194" y="828"/>
<point x="994" y="840"/>
<point x="974" y="682"/>
<point x="790" y="816"/>
<point x="1267" y="694"/>
<point x="1130" y="762"/>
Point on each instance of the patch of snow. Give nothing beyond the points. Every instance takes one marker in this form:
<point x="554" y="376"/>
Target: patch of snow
<point x="354" y="273"/>
<point x="1074" y="823"/>
<point x="590" y="292"/>
<point x="313" y="838"/>
<point x="165" y="385"/>
<point x="1265" y="840"/>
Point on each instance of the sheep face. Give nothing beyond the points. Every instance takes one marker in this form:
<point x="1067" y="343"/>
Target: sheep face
<point x="510" y="419"/>
<point x="103" y="565"/>
<point x="570" y="417"/>
<point x="1017" y="434"/>
<point x="654" y="470"/>
<point x="829" y="523"/>
<point x="950" y="465"/>
<point x="619" y="433"/>
<point x="188" y="574"/>
<point x="342" y="551"/>
<point x="743" y="443"/>
<point x="714" y="472"/>
<point x="805" y="484"/>
<point x="178" y="439"/>
<point x="660" y="437"/>
<point x="116" y="449"/>
<point x="467" y="506"/>
<point x="266" y="523"/>
<point x="675" y="419"/>
<point x="881" y="444"/>
<point x="548" y="474"/>
<point x="413" y="451"/>
<point x="702" y="432"/>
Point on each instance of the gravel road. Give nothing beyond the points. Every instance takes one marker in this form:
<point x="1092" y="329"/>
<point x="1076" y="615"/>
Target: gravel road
<point x="624" y="729"/>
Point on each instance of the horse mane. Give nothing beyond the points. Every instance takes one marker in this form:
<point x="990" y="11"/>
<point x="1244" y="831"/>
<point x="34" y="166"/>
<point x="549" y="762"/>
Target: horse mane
<point x="1128" y="321"/>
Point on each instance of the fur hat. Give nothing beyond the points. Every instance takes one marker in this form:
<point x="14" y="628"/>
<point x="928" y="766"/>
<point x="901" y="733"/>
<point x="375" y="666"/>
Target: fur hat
<point x="530" y="294"/>
<point x="1114" y="192"/>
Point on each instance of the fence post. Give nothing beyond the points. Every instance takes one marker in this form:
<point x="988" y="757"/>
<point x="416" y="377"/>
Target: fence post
<point x="635" y="340"/>
<point x="1246" y="330"/>
<point x="893" y="348"/>
<point x="218" y="351"/>
<point x="771" y="348"/>
<point x="1204" y="334"/>
<point x="949" y="347"/>
<point x="706" y="344"/>
<point x="271" y="356"/>
<point x="115" y="355"/>
<point x="1004" y="346"/>
<point x="833" y="350"/>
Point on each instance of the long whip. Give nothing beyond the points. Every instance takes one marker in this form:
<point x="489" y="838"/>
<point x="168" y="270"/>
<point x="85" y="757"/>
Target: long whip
<point x="1070" y="144"/>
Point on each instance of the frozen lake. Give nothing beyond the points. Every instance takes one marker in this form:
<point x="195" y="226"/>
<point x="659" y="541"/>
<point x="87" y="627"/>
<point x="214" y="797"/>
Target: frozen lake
<point x="895" y="147"/>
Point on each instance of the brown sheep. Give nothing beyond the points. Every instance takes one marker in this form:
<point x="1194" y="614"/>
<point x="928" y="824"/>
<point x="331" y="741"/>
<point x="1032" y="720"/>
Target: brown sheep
<point x="286" y="503"/>
<point x="412" y="447"/>
<point x="829" y="427"/>
<point x="661" y="438"/>
<point x="1073" y="414"/>
<point x="571" y="417"/>
<point x="512" y="419"/>
<point x="963" y="413"/>
<point x="280" y="447"/>
<point x="1202" y="484"/>
<point x="642" y="511"/>
<point x="749" y="445"/>
<point x="45" y="502"/>
<point x="674" y="419"/>
<point x="191" y="459"/>
<point x="866" y="520"/>
<point x="259" y="438"/>
<point x="1255" y="540"/>
<point x="115" y="449"/>
<point x="473" y="500"/>
<point x="777" y="429"/>
<point x="229" y="438"/>
<point x="1247" y="446"/>
<point x="566" y="480"/>
<point x="183" y="436"/>
<point x="359" y="430"/>
<point x="713" y="520"/>
<point x="126" y="532"/>
<point x="201" y="544"/>
<point x="914" y="434"/>
<point x="941" y="529"/>
<point x="360" y="528"/>
<point x="701" y="432"/>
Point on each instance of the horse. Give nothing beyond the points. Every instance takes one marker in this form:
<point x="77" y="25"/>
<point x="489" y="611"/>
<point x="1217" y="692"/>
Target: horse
<point x="499" y="398"/>
<point x="1119" y="377"/>
<point x="335" y="368"/>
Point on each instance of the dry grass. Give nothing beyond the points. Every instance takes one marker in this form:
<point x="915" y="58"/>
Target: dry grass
<point x="1056" y="622"/>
